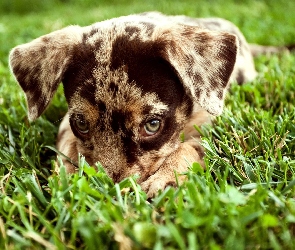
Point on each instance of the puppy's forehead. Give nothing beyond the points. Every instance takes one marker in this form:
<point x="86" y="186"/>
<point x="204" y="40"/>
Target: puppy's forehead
<point x="111" y="90"/>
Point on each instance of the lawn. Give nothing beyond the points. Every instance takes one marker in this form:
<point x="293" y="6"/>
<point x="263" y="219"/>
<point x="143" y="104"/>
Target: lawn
<point x="243" y="200"/>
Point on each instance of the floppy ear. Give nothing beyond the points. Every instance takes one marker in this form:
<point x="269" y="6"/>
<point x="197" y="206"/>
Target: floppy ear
<point x="39" y="66"/>
<point x="203" y="60"/>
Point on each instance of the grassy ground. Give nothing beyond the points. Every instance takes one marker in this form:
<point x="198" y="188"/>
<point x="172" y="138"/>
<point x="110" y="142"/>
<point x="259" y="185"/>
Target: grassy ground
<point x="245" y="198"/>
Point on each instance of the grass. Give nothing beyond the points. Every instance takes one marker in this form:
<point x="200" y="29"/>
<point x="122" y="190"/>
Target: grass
<point x="243" y="200"/>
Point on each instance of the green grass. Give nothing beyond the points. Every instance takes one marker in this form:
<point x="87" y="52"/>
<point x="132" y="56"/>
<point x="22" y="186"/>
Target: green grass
<point x="243" y="200"/>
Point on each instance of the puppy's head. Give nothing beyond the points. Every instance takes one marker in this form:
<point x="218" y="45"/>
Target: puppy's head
<point x="130" y="83"/>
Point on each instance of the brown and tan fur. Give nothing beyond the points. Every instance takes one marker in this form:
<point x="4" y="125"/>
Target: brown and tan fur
<point x="124" y="74"/>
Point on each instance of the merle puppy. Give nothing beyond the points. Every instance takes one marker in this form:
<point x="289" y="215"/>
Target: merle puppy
<point x="132" y="85"/>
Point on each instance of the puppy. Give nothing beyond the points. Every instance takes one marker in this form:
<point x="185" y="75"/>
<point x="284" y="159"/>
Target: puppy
<point x="133" y="84"/>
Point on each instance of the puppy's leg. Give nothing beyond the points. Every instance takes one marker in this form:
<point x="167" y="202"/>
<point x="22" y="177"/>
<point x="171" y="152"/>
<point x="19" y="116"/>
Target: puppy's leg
<point x="66" y="144"/>
<point x="192" y="136"/>
<point x="178" y="162"/>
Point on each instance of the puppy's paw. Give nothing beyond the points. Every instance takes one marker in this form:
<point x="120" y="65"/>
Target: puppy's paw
<point x="159" y="182"/>
<point x="178" y="163"/>
<point x="155" y="183"/>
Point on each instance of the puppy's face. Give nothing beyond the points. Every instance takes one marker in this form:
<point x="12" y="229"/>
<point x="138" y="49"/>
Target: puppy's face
<point x="131" y="84"/>
<point x="128" y="113"/>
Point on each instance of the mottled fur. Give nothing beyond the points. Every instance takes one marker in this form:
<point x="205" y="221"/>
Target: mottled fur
<point x="123" y="74"/>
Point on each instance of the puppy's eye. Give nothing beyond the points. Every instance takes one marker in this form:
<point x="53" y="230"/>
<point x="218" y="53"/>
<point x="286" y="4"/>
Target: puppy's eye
<point x="151" y="127"/>
<point x="82" y="125"/>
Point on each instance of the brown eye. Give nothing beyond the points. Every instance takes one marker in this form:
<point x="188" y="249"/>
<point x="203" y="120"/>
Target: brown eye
<point x="81" y="125"/>
<point x="151" y="127"/>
